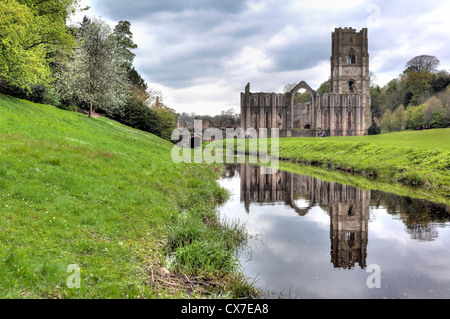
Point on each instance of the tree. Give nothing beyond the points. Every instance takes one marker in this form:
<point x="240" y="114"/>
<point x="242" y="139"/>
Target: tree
<point x="422" y="63"/>
<point x="49" y="27"/>
<point x="419" y="85"/>
<point x="139" y="116"/>
<point x="34" y="36"/>
<point x="21" y="65"/>
<point x="95" y="73"/>
<point x="440" y="81"/>
<point x="398" y="118"/>
<point x="434" y="112"/>
<point x="444" y="97"/>
<point x="324" y="87"/>
<point x="374" y="129"/>
<point x="377" y="99"/>
<point x="124" y="38"/>
<point x="395" y="93"/>
<point x="437" y="120"/>
<point x="417" y="116"/>
<point x="386" y="121"/>
<point x="167" y="119"/>
<point x="138" y="88"/>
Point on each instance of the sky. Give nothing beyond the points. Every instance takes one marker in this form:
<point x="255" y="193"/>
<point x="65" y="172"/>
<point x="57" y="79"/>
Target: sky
<point x="200" y="54"/>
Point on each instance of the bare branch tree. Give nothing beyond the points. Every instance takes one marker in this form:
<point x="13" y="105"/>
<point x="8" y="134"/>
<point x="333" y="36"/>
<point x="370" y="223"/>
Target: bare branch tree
<point x="422" y="63"/>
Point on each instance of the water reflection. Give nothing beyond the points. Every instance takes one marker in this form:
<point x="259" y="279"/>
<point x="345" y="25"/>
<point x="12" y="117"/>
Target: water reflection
<point x="347" y="206"/>
<point x="421" y="217"/>
<point x="319" y="238"/>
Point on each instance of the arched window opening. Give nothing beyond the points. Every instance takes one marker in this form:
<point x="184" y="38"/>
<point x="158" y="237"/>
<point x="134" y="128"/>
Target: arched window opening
<point x="268" y="120"/>
<point x="350" y="239"/>
<point x="280" y="121"/>
<point x="255" y="120"/>
<point x="350" y="211"/>
<point x="351" y="86"/>
<point x="351" y="57"/>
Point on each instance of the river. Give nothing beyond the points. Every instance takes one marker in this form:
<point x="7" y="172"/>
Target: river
<point x="311" y="238"/>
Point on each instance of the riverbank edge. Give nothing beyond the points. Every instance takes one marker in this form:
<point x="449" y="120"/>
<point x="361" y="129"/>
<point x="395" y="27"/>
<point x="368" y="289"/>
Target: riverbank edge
<point x="179" y="282"/>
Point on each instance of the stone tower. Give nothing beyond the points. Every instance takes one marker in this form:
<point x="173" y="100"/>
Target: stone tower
<point x="350" y="65"/>
<point x="344" y="111"/>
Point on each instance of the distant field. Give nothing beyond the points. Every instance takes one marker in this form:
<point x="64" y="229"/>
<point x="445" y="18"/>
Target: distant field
<point x="435" y="138"/>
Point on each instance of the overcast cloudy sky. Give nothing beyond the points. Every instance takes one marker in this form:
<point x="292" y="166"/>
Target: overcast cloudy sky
<point x="201" y="53"/>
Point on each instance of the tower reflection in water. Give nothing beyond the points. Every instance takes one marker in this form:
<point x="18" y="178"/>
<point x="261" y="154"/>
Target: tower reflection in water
<point x="348" y="206"/>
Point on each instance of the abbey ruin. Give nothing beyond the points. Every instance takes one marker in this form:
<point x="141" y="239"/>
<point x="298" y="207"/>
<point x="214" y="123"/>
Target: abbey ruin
<point x="344" y="111"/>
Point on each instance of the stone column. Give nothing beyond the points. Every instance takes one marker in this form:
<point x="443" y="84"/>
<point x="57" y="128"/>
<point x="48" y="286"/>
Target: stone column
<point x="358" y="120"/>
<point x="318" y="114"/>
<point x="332" y="118"/>
<point x="274" y="110"/>
<point x="344" y="116"/>
<point x="248" y="117"/>
<point x="288" y="118"/>
<point x="243" y="111"/>
<point x="262" y="115"/>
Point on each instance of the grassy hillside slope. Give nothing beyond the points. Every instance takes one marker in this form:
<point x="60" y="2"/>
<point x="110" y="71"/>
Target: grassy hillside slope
<point x="95" y="193"/>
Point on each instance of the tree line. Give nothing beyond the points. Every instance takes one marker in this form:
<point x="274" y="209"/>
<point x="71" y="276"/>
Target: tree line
<point x="87" y="67"/>
<point x="226" y="119"/>
<point x="417" y="98"/>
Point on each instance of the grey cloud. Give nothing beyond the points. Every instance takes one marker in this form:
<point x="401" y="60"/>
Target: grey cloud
<point x="190" y="41"/>
<point x="136" y="9"/>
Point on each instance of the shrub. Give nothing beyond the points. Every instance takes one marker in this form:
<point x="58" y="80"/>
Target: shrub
<point x="205" y="258"/>
<point x="374" y="129"/>
<point x="139" y="116"/>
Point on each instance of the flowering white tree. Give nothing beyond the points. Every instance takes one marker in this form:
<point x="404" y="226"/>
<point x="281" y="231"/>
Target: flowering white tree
<point x="95" y="73"/>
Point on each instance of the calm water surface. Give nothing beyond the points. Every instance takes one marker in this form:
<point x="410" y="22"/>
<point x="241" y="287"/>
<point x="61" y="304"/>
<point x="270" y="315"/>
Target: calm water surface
<point x="318" y="239"/>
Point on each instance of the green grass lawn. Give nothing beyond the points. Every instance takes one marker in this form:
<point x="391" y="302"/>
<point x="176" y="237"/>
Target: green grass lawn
<point x="102" y="196"/>
<point x="434" y="138"/>
<point x="417" y="158"/>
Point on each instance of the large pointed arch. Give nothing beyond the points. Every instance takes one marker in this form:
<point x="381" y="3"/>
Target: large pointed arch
<point x="312" y="93"/>
<point x="303" y="85"/>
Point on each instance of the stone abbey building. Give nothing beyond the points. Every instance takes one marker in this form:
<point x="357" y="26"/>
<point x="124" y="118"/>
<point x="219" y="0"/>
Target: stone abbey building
<point x="344" y="111"/>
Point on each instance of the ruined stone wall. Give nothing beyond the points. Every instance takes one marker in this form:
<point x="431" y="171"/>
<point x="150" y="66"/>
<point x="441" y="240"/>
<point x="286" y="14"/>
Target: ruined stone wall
<point x="337" y="114"/>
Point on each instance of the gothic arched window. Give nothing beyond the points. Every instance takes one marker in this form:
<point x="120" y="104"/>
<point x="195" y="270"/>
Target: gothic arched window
<point x="351" y="57"/>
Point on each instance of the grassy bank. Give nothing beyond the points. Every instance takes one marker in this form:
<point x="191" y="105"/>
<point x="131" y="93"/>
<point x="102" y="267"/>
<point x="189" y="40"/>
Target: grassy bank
<point x="364" y="183"/>
<point x="96" y="194"/>
<point x="414" y="158"/>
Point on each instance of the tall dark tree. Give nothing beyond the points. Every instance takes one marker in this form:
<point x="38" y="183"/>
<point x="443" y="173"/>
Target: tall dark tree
<point x="124" y="38"/>
<point x="422" y="63"/>
<point x="440" y="81"/>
